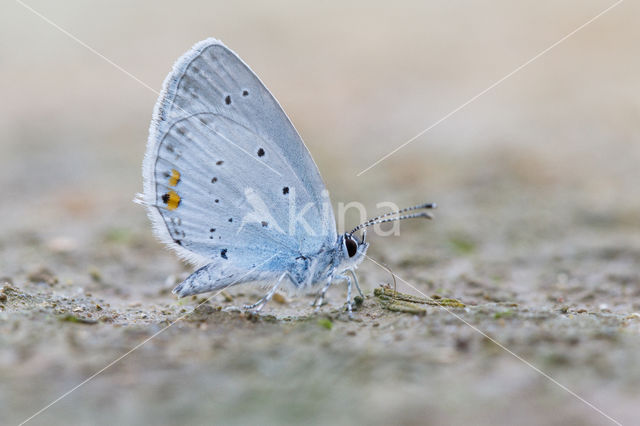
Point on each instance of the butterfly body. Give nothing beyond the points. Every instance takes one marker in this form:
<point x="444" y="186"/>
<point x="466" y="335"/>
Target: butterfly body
<point x="304" y="271"/>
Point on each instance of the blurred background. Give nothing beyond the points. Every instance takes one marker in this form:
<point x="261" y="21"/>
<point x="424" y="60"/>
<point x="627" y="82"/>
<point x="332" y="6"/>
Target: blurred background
<point x="537" y="182"/>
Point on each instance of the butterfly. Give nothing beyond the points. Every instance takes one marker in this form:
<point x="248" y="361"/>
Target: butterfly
<point x="230" y="186"/>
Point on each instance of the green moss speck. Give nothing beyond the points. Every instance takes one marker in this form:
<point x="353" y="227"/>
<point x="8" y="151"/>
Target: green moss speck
<point x="326" y="323"/>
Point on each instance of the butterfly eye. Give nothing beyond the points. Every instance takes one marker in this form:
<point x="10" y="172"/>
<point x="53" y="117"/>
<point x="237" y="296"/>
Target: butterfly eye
<point x="352" y="246"/>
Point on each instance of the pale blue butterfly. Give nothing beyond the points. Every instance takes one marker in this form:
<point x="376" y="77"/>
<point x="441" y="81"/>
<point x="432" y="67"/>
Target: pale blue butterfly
<point x="230" y="186"/>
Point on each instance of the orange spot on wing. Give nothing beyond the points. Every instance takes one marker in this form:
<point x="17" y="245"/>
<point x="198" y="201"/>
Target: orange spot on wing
<point x="175" y="177"/>
<point x="171" y="199"/>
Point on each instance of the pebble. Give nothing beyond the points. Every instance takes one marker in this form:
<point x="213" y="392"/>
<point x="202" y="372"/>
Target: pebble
<point x="62" y="244"/>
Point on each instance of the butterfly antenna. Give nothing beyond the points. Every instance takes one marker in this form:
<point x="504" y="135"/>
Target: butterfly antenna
<point x="385" y="217"/>
<point x="407" y="209"/>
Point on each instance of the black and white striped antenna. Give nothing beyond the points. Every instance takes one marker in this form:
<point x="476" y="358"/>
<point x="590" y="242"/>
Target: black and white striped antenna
<point x="384" y="218"/>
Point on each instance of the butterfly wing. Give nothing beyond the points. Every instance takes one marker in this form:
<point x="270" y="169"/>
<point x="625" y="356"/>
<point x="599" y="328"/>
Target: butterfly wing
<point x="227" y="179"/>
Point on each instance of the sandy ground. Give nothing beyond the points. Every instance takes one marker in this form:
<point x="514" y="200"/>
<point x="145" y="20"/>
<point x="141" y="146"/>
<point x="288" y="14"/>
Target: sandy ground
<point x="537" y="232"/>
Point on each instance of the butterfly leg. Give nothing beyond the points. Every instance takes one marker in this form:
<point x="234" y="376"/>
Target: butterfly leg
<point x="320" y="297"/>
<point x="355" y="280"/>
<point x="349" y="282"/>
<point x="349" y="307"/>
<point x="260" y="303"/>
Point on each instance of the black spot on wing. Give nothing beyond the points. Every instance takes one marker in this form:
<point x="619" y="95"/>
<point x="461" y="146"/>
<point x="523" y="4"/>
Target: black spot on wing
<point x="245" y="93"/>
<point x="230" y="219"/>
<point x="260" y="152"/>
<point x="227" y="100"/>
<point x="285" y="190"/>
<point x="223" y="253"/>
<point x="214" y="179"/>
<point x="219" y="162"/>
<point x="264" y="224"/>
